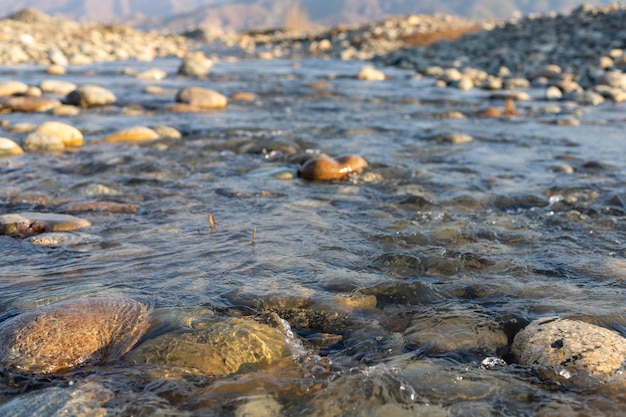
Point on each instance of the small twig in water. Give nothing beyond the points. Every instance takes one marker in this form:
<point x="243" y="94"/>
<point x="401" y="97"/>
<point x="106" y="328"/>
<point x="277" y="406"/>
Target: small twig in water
<point x="253" y="234"/>
<point x="212" y="222"/>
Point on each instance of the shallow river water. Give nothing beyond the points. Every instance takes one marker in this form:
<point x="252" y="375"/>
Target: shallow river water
<point x="433" y="257"/>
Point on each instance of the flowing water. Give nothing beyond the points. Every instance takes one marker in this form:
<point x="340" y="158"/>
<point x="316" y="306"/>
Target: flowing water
<point x="461" y="244"/>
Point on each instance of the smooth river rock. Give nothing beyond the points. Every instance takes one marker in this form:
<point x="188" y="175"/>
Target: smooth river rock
<point x="64" y="335"/>
<point x="196" y="65"/>
<point x="217" y="347"/>
<point x="202" y="98"/>
<point x="43" y="142"/>
<point x="90" y="95"/>
<point x="70" y="136"/>
<point x="133" y="134"/>
<point x="31" y="223"/>
<point x="571" y="346"/>
<point x="328" y="169"/>
<point x="11" y="88"/>
<point x="369" y="73"/>
<point x="9" y="148"/>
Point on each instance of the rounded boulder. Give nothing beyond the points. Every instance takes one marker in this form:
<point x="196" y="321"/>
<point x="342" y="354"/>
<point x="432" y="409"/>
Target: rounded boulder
<point x="64" y="335"/>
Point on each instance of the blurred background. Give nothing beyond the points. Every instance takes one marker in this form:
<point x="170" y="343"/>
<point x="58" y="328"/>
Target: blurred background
<point x="236" y="15"/>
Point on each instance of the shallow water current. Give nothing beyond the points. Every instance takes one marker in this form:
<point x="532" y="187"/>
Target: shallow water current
<point x="418" y="272"/>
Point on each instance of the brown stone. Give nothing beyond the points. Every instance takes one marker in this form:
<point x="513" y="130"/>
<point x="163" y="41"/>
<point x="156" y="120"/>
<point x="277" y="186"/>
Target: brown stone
<point x="68" y="134"/>
<point x="104" y="206"/>
<point x="71" y="333"/>
<point x="133" y="134"/>
<point x="202" y="97"/>
<point x="327" y="169"/>
<point x="31" y="223"/>
<point x="242" y="96"/>
<point x="29" y="104"/>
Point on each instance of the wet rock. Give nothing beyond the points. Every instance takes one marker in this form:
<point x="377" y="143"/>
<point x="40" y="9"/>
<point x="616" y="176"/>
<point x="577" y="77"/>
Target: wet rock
<point x="12" y="88"/>
<point x="586" y="97"/>
<point x="452" y="138"/>
<point x="70" y="136"/>
<point x="167" y="132"/>
<point x="56" y="70"/>
<point x="9" y="148"/>
<point x="57" y="87"/>
<point x="21" y="127"/>
<point x="85" y="400"/>
<point x="29" y="104"/>
<point x="152" y="74"/>
<point x="66" y="110"/>
<point x="202" y="98"/>
<point x="259" y="406"/>
<point x="72" y="333"/>
<point x="217" y="347"/>
<point x="31" y="223"/>
<point x="369" y="73"/>
<point x="55" y="239"/>
<point x="553" y="93"/>
<point x="243" y="96"/>
<point x="43" y="142"/>
<point x="196" y="65"/>
<point x="570" y="346"/>
<point x="103" y="207"/>
<point x="90" y="95"/>
<point x="133" y="134"/>
<point x="328" y="169"/>
<point x="446" y="331"/>
<point x="322" y="320"/>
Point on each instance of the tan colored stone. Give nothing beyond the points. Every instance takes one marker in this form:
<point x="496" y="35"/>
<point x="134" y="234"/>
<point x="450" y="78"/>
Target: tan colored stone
<point x="195" y="64"/>
<point x="185" y="108"/>
<point x="11" y="88"/>
<point x="90" y="95"/>
<point x="32" y="223"/>
<point x="201" y="97"/>
<point x="167" y="132"/>
<point x="66" y="110"/>
<point x="217" y="347"/>
<point x="152" y="74"/>
<point x="104" y="206"/>
<point x="369" y="73"/>
<point x="243" y="96"/>
<point x="327" y="169"/>
<point x="72" y="333"/>
<point x="30" y="104"/>
<point x="570" y="345"/>
<point x="56" y="70"/>
<point x="9" y="148"/>
<point x="57" y="87"/>
<point x="68" y="134"/>
<point x="43" y="142"/>
<point x="21" y="128"/>
<point x="133" y="134"/>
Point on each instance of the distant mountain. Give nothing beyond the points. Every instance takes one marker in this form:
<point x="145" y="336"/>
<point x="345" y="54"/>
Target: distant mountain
<point x="179" y="15"/>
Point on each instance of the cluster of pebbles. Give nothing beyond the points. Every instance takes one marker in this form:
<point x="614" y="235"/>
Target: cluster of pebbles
<point x="29" y="36"/>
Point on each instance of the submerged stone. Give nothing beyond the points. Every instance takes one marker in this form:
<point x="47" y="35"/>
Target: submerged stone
<point x="43" y="142"/>
<point x="223" y="347"/>
<point x="64" y="335"/>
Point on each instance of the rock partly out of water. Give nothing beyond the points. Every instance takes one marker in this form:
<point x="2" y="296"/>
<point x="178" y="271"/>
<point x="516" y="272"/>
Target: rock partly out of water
<point x="28" y="104"/>
<point x="43" y="142"/>
<point x="90" y="95"/>
<point x="369" y="73"/>
<point x="57" y="87"/>
<point x="202" y="98"/>
<point x="11" y="88"/>
<point x="570" y="346"/>
<point x="32" y="223"/>
<point x="9" y="148"/>
<point x="196" y="65"/>
<point x="72" y="333"/>
<point x="133" y="134"/>
<point x="70" y="136"/>
<point x="217" y="347"/>
<point x="328" y="169"/>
